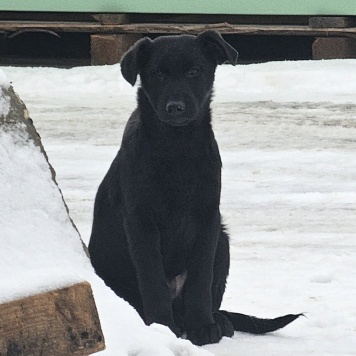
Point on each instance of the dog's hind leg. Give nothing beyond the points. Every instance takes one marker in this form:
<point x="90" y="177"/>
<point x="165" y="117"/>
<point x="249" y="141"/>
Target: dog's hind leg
<point x="133" y="297"/>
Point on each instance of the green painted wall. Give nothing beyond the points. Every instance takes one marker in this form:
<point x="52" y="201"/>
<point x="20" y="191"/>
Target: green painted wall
<point x="241" y="7"/>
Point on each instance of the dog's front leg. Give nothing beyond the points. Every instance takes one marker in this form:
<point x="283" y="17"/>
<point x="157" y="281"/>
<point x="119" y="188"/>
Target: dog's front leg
<point x="200" y="325"/>
<point x="144" y="244"/>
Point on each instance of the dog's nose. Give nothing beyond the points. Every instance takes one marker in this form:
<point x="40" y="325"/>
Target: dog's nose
<point x="175" y="107"/>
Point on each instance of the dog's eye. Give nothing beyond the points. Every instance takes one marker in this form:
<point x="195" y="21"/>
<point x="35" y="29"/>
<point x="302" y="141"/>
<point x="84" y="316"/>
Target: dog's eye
<point x="194" y="71"/>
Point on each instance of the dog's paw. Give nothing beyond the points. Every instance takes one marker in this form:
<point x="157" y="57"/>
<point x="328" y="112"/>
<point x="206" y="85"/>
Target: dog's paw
<point x="208" y="334"/>
<point x="225" y="324"/>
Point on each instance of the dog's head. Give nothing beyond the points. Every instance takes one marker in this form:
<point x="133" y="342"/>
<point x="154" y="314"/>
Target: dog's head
<point x="177" y="73"/>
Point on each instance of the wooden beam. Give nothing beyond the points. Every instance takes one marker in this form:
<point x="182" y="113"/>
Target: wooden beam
<point x="142" y="28"/>
<point x="334" y="48"/>
<point x="114" y="19"/>
<point x="57" y="323"/>
<point x="108" y="49"/>
<point x="332" y="22"/>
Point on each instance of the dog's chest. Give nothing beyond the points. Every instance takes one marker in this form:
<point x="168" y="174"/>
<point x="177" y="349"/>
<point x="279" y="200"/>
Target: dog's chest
<point x="180" y="182"/>
<point x="176" y="178"/>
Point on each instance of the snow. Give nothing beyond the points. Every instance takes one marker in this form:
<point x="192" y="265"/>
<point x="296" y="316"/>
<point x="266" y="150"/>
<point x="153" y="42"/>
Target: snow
<point x="34" y="228"/>
<point x="286" y="132"/>
<point x="4" y="80"/>
<point x="301" y="81"/>
<point x="4" y="99"/>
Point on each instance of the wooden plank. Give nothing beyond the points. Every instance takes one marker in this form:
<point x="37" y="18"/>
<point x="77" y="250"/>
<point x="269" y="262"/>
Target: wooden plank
<point x="114" y="19"/>
<point x="57" y="323"/>
<point x="224" y="28"/>
<point x="329" y="22"/>
<point x="108" y="49"/>
<point x="239" y="7"/>
<point x="334" y="48"/>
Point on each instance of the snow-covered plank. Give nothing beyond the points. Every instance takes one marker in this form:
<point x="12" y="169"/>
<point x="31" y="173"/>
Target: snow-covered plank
<point x="46" y="307"/>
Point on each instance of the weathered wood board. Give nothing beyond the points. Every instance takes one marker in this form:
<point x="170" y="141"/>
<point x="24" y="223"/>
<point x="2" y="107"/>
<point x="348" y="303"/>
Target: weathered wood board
<point x="58" y="323"/>
<point x="108" y="49"/>
<point x="334" y="47"/>
<point x="331" y="22"/>
<point x="174" y="28"/>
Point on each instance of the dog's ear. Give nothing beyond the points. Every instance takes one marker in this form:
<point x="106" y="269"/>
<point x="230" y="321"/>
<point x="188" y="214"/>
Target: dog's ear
<point x="133" y="60"/>
<point x="217" y="47"/>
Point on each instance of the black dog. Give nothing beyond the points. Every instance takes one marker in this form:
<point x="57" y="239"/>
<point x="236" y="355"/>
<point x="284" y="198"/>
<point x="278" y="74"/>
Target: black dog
<point x="157" y="237"/>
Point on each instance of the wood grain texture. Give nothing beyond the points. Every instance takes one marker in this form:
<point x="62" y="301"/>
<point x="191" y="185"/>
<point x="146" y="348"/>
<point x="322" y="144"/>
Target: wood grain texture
<point x="58" y="323"/>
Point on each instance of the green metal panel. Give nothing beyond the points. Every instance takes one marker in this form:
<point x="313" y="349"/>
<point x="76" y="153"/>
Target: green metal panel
<point x="240" y="7"/>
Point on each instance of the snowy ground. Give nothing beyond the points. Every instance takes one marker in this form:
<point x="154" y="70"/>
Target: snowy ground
<point x="287" y="135"/>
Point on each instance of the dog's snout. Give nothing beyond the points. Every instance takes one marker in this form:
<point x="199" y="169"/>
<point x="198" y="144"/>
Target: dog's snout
<point x="175" y="107"/>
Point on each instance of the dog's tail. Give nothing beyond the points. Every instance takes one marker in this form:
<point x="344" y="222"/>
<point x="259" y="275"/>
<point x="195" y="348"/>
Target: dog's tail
<point x="253" y="325"/>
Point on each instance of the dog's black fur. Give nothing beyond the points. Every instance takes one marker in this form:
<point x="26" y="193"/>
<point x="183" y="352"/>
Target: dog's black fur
<point x="157" y="237"/>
